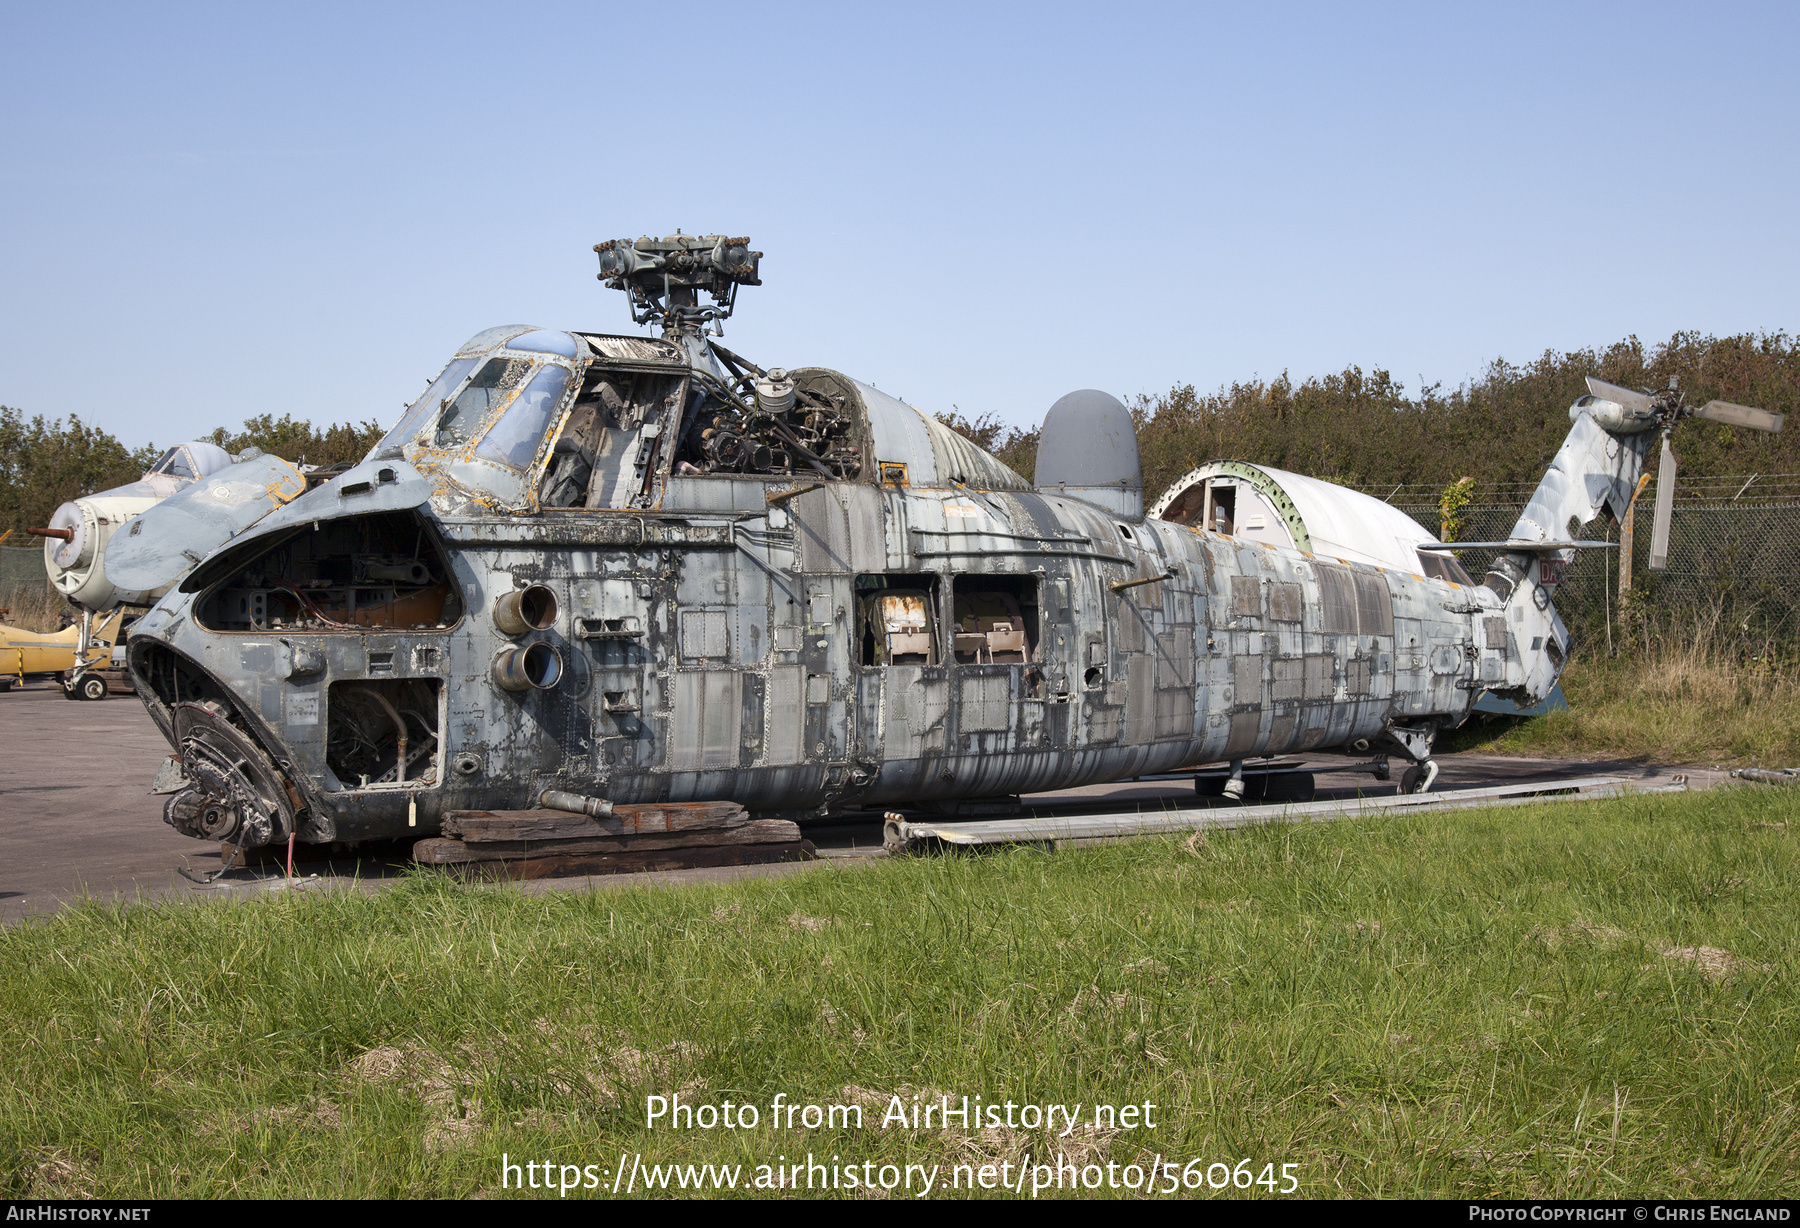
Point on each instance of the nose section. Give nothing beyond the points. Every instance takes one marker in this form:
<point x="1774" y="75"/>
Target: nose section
<point x="73" y="543"/>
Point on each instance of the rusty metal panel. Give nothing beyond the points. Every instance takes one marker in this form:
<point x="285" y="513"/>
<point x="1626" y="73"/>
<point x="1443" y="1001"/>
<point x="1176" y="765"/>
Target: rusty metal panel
<point x="1319" y="669"/>
<point x="1246" y="679"/>
<point x="898" y="432"/>
<point x="1337" y="599"/>
<point x="1246" y="596"/>
<point x="1140" y="699"/>
<point x="899" y="538"/>
<point x="901" y="724"/>
<point x="1287" y="678"/>
<point x="1285" y="601"/>
<point x="822" y="532"/>
<point x="1281" y="733"/>
<point x="870" y="716"/>
<point x="933" y="706"/>
<point x="985" y="699"/>
<point x="749" y="615"/>
<point x="1175" y="658"/>
<point x="703" y="728"/>
<point x="1317" y="727"/>
<point x="173" y="537"/>
<point x="1356" y="676"/>
<point x="1103" y="724"/>
<point x="1246" y="728"/>
<point x="1494" y="632"/>
<point x="1374" y="607"/>
<point x="867" y="527"/>
<point x="702" y="635"/>
<point x="1174" y="713"/>
<point x="1130" y="627"/>
<point x="785" y="726"/>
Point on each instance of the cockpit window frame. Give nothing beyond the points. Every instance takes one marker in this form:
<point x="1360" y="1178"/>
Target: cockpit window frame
<point x="493" y="483"/>
<point x="406" y="430"/>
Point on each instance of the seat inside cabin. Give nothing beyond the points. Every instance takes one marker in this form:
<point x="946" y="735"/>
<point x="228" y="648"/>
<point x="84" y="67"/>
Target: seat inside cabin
<point x="990" y="629"/>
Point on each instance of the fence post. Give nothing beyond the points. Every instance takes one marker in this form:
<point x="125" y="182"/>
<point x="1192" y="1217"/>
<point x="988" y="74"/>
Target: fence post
<point x="1625" y="542"/>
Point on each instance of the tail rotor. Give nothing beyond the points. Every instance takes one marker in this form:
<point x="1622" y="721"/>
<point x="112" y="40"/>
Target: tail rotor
<point x="1664" y="409"/>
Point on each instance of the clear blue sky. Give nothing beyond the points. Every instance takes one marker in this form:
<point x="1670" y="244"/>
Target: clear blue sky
<point x="213" y="212"/>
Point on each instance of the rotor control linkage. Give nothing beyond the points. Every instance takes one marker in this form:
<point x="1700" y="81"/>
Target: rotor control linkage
<point x="1119" y="586"/>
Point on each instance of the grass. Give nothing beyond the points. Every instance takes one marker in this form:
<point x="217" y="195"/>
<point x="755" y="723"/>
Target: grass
<point x="1686" y="696"/>
<point x="1568" y="1000"/>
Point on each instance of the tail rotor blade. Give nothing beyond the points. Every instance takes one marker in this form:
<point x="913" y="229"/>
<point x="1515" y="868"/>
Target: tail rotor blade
<point x="1665" y="508"/>
<point x="1630" y="398"/>
<point x="1740" y="415"/>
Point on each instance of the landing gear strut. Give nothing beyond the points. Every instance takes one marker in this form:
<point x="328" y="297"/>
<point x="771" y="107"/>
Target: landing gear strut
<point x="1419" y="777"/>
<point x="1413" y="741"/>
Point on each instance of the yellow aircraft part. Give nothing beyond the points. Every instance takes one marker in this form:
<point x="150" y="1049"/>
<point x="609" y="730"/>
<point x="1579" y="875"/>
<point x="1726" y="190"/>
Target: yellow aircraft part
<point x="44" y="652"/>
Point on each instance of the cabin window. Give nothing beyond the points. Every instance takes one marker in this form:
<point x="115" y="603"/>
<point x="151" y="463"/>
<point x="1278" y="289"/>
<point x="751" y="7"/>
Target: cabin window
<point x="175" y="463"/>
<point x="897" y="615"/>
<point x="515" y="439"/>
<point x="604" y="454"/>
<point x="462" y="419"/>
<point x="429" y="400"/>
<point x="1443" y="567"/>
<point x="996" y="620"/>
<point x="1223" y="508"/>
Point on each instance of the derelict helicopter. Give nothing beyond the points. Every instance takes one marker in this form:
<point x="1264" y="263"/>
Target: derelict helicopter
<point x="646" y="569"/>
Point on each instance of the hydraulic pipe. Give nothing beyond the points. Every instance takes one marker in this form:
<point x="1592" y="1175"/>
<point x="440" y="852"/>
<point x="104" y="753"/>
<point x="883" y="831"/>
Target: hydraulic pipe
<point x="400" y="727"/>
<point x="575" y="803"/>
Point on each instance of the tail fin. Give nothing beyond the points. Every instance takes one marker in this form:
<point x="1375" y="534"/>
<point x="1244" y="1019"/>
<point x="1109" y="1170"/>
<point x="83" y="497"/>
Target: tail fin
<point x="1595" y="470"/>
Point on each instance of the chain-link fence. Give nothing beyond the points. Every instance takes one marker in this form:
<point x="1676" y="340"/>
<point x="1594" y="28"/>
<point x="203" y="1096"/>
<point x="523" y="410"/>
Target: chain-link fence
<point x="1734" y="554"/>
<point x="25" y="593"/>
<point x="22" y="565"/>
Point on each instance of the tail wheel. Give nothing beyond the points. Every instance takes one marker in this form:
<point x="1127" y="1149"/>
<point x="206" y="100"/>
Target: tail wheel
<point x="92" y="687"/>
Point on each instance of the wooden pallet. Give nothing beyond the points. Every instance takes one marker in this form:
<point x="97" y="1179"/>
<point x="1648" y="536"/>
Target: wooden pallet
<point x="571" y="865"/>
<point x="633" y="839"/>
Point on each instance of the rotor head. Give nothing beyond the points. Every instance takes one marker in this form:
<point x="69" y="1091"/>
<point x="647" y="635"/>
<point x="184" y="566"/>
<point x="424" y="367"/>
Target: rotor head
<point x="664" y="277"/>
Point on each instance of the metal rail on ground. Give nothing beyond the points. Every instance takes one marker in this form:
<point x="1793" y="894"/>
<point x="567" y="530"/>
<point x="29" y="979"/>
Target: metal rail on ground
<point x="904" y="835"/>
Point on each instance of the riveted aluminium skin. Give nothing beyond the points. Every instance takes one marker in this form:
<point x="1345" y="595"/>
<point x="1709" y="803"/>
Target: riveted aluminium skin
<point x="710" y="643"/>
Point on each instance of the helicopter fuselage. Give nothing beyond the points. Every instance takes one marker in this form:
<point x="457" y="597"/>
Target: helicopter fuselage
<point x="920" y="624"/>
